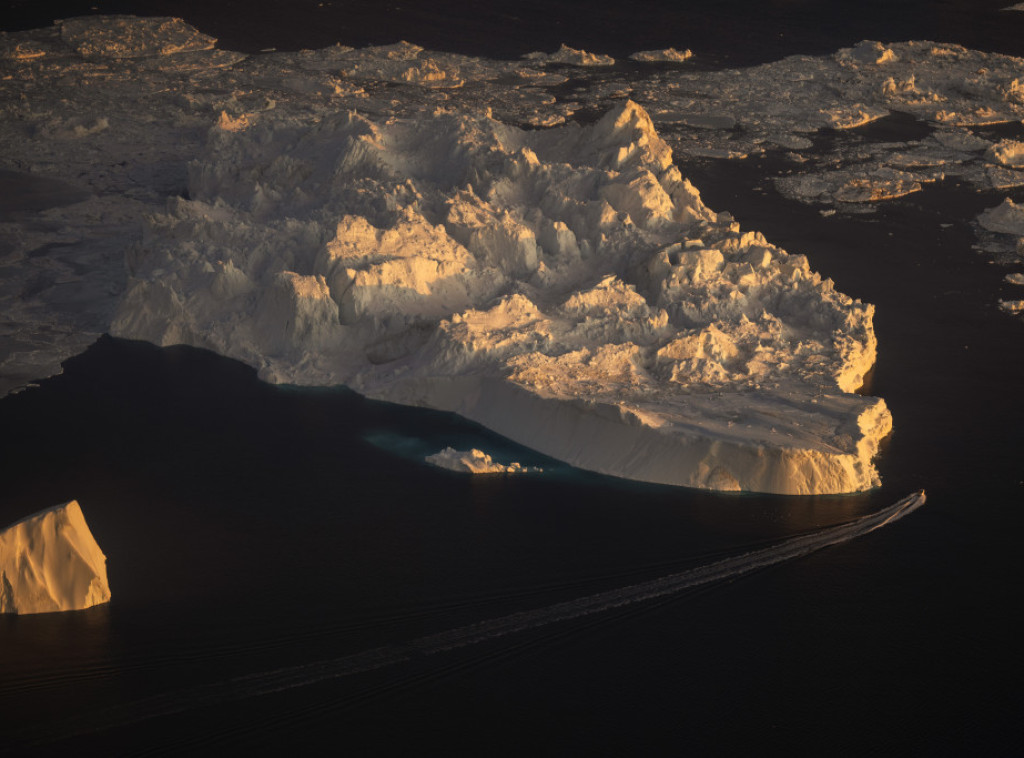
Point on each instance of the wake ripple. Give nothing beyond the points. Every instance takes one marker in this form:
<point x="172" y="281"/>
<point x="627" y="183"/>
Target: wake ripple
<point x="264" y="683"/>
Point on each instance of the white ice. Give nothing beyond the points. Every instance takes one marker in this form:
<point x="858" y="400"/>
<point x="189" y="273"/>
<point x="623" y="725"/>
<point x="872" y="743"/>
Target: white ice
<point x="474" y="461"/>
<point x="566" y="288"/>
<point x="572" y="57"/>
<point x="50" y="561"/>
<point x="667" y="55"/>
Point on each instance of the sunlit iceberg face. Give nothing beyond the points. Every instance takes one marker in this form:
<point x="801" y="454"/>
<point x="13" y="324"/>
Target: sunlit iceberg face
<point x="565" y="287"/>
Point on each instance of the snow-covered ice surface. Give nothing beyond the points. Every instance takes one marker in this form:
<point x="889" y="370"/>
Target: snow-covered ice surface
<point x="50" y="561"/>
<point x="468" y="234"/>
<point x="474" y="462"/>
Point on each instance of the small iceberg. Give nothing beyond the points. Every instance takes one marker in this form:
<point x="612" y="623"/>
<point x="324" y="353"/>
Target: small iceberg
<point x="49" y="561"/>
<point x="474" y="462"/>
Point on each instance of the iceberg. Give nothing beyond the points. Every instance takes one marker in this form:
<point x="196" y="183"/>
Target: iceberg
<point x="668" y="55"/>
<point x="50" y="561"/>
<point x="566" y="288"/>
<point x="1006" y="218"/>
<point x="474" y="462"/>
<point x="570" y="56"/>
<point x="128" y="37"/>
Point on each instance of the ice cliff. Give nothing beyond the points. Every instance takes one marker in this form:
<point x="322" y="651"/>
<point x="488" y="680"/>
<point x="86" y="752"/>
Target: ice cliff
<point x="50" y="561"/>
<point x="565" y="287"/>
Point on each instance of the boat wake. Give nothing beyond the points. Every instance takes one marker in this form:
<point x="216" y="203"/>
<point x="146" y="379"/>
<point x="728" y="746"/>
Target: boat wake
<point x="267" y="682"/>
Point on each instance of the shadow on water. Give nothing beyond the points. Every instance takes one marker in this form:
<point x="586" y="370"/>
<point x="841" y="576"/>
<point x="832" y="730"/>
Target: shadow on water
<point x="896" y="127"/>
<point x="24" y="193"/>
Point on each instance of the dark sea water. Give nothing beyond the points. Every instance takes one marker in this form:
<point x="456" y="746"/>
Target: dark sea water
<point x="724" y="32"/>
<point x="250" y="528"/>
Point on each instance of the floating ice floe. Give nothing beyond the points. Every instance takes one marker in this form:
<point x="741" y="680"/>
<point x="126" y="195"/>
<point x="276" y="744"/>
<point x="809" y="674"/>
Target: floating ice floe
<point x="572" y="57"/>
<point x="50" y="561"/>
<point x="474" y="462"/>
<point x="1000" y="232"/>
<point x="944" y="87"/>
<point x="851" y="186"/>
<point x="120" y="37"/>
<point x="1006" y="218"/>
<point x="1007" y="152"/>
<point x="867" y="52"/>
<point x="668" y="55"/>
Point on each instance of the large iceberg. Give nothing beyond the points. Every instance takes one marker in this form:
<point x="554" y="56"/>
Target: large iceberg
<point x="566" y="288"/>
<point x="50" y="561"/>
<point x="426" y="228"/>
